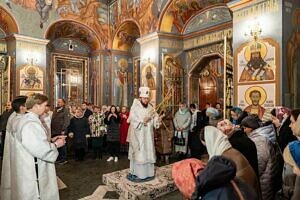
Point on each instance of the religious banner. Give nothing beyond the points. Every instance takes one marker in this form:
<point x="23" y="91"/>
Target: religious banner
<point x="257" y="98"/>
<point x="148" y="77"/>
<point x="31" y="80"/>
<point x="257" y="62"/>
<point x="257" y="68"/>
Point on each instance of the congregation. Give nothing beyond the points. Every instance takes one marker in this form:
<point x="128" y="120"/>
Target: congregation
<point x="258" y="158"/>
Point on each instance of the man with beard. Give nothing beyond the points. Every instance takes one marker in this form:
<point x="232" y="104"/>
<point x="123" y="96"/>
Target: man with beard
<point x="255" y="108"/>
<point x="256" y="69"/>
<point x="59" y="127"/>
<point x="143" y="118"/>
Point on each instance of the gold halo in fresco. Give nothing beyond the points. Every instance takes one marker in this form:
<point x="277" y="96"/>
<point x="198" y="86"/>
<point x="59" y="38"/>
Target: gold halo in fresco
<point x="123" y="63"/>
<point x="263" y="50"/>
<point x="262" y="92"/>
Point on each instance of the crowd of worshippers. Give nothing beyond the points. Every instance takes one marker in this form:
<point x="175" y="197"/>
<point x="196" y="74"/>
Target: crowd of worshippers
<point x="87" y="127"/>
<point x="248" y="157"/>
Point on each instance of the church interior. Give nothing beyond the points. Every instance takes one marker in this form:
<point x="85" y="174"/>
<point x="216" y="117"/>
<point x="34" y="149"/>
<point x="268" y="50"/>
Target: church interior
<point x="235" y="53"/>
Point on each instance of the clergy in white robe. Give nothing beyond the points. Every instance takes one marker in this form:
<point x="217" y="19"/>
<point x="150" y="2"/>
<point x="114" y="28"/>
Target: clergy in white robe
<point x="19" y="108"/>
<point x="143" y="118"/>
<point x="29" y="141"/>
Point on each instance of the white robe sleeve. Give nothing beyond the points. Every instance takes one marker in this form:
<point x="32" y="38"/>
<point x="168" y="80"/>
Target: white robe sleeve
<point x="34" y="140"/>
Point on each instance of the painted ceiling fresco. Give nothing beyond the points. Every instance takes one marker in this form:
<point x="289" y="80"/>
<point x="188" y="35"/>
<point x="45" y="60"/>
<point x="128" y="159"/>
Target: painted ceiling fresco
<point x="126" y="36"/>
<point x="179" y="12"/>
<point x="7" y="23"/>
<point x="73" y="30"/>
<point x="209" y="18"/>
<point x="106" y="17"/>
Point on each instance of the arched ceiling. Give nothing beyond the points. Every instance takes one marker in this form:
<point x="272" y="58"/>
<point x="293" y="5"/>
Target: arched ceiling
<point x="207" y="18"/>
<point x="7" y="23"/>
<point x="125" y="36"/>
<point x="73" y="30"/>
<point x="178" y="12"/>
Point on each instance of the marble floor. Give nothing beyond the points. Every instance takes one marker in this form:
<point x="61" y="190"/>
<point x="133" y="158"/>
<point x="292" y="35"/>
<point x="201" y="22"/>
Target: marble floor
<point x="83" y="178"/>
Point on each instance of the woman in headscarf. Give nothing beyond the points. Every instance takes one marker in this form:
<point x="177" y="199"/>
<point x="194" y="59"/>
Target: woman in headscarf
<point x="237" y="115"/>
<point x="213" y="115"/>
<point x="217" y="144"/>
<point x="182" y="121"/>
<point x="281" y="120"/>
<point x="214" y="181"/>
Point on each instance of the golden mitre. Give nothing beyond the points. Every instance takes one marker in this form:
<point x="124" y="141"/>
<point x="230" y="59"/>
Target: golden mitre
<point x="255" y="47"/>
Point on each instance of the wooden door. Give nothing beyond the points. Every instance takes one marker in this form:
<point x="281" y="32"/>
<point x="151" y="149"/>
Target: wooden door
<point x="207" y="91"/>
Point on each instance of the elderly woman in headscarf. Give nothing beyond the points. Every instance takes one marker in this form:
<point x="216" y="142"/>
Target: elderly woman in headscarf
<point x="239" y="140"/>
<point x="214" y="181"/>
<point x="281" y="120"/>
<point x="213" y="115"/>
<point x="237" y="115"/>
<point x="217" y="144"/>
<point x="182" y="121"/>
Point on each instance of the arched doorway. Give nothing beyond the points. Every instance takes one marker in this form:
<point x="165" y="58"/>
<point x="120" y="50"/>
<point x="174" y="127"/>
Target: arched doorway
<point x="206" y="81"/>
<point x="126" y="63"/>
<point x="70" y="48"/>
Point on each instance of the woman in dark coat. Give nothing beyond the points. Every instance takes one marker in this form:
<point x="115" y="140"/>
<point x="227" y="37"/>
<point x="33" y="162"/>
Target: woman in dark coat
<point x="113" y="133"/>
<point x="80" y="127"/>
<point x="281" y="120"/>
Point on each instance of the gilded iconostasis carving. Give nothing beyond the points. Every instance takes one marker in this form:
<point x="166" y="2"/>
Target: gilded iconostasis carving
<point x="173" y="76"/>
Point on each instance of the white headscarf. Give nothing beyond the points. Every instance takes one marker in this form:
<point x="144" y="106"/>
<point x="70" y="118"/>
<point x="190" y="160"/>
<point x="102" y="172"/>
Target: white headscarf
<point x="216" y="141"/>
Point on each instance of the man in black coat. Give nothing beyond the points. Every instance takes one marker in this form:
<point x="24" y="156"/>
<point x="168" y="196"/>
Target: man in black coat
<point x="86" y="111"/>
<point x="59" y="126"/>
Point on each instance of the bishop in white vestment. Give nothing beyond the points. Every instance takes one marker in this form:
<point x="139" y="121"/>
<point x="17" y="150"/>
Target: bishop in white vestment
<point x="143" y="118"/>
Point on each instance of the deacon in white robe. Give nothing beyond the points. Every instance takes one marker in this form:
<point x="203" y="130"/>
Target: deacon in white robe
<point x="29" y="141"/>
<point x="143" y="118"/>
<point x="18" y="105"/>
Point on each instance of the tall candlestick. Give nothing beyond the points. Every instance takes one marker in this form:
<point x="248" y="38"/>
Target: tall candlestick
<point x="224" y="84"/>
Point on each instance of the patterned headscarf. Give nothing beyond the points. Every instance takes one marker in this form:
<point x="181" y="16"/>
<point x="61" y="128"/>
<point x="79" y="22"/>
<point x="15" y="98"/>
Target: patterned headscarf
<point x="225" y="126"/>
<point x="280" y="112"/>
<point x="184" y="174"/>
